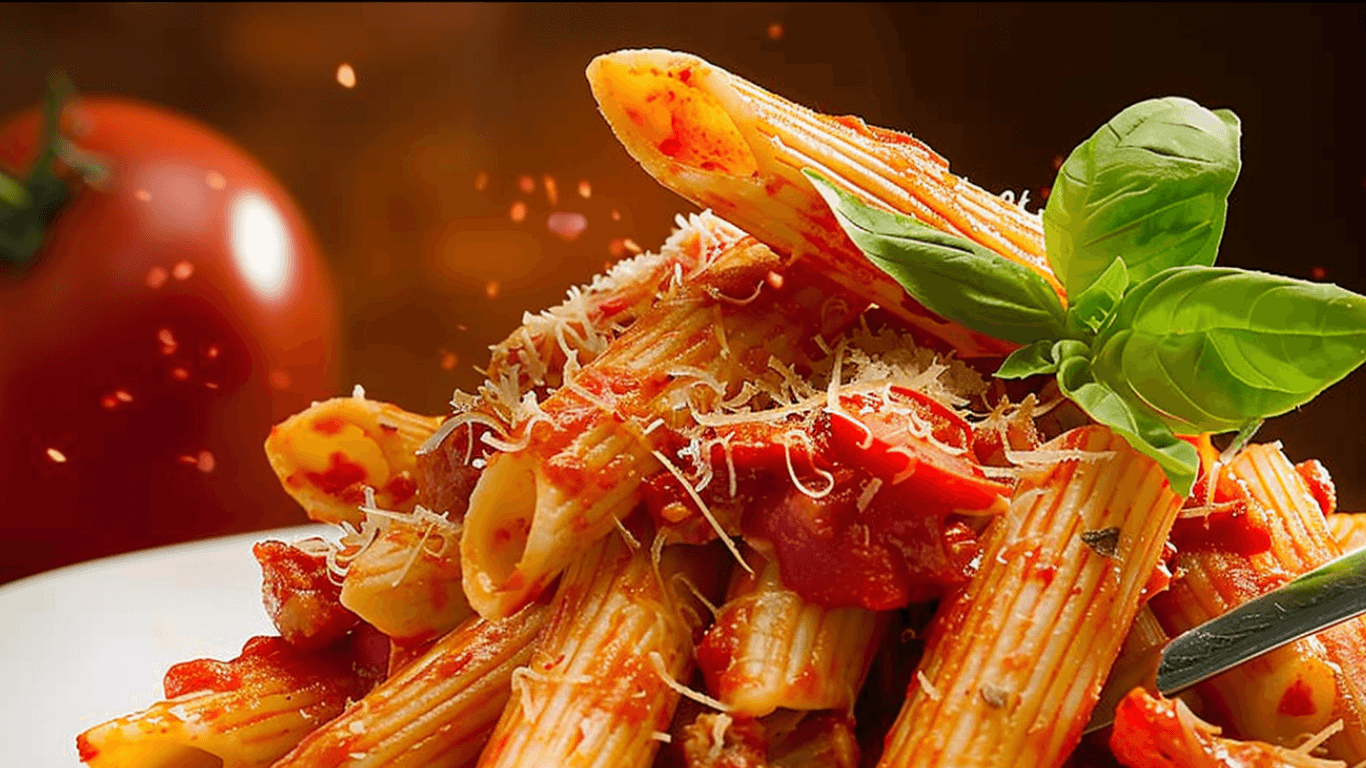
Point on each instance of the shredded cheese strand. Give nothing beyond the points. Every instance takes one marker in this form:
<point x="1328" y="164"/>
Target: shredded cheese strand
<point x="657" y="661"/>
<point x="706" y="511"/>
<point x="811" y="450"/>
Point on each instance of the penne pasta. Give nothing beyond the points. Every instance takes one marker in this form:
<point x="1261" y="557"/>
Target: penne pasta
<point x="602" y="682"/>
<point x="726" y="144"/>
<point x="437" y="711"/>
<point x="327" y="455"/>
<point x="592" y="316"/>
<point x="769" y="648"/>
<point x="406" y="580"/>
<point x="1274" y="531"/>
<point x="244" y="713"/>
<point x="1348" y="530"/>
<point x="581" y="470"/>
<point x="1015" y="662"/>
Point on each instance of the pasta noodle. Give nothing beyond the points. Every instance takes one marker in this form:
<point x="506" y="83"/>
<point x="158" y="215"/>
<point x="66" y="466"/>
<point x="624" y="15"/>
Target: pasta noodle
<point x="532" y="508"/>
<point x="438" y="710"/>
<point x="245" y="713"/>
<point x="406" y="582"/>
<point x="769" y="648"/>
<point x="327" y="455"/>
<point x="1300" y="688"/>
<point x="729" y="145"/>
<point x="1349" y="531"/>
<point x="1017" y="659"/>
<point x="601" y="681"/>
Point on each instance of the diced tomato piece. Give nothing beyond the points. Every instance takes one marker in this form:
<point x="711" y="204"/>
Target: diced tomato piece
<point x="880" y="439"/>
<point x="1151" y="733"/>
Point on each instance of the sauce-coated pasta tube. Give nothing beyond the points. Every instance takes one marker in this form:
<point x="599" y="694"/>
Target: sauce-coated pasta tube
<point x="328" y="454"/>
<point x="1280" y="533"/>
<point x="406" y="582"/>
<point x="726" y="144"/>
<point x="437" y="711"/>
<point x="593" y="315"/>
<point x="244" y="713"/>
<point x="583" y="465"/>
<point x="600" y="686"/>
<point x="1015" y="663"/>
<point x="770" y="648"/>
<point x="1348" y="530"/>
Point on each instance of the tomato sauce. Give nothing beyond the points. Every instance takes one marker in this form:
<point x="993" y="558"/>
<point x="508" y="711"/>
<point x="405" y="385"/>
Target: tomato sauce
<point x="263" y="661"/>
<point x="341" y="473"/>
<point x="1320" y="484"/>
<point x="201" y="675"/>
<point x="848" y="536"/>
<point x="1148" y="733"/>
<point x="1224" y="519"/>
<point x="1298" y="700"/>
<point x="1234" y="531"/>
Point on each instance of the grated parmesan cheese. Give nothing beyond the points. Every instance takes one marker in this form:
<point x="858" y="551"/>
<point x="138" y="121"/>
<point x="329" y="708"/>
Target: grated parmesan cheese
<point x="925" y="686"/>
<point x="865" y="496"/>
<point x="719" y="725"/>
<point x="719" y="296"/>
<point x="630" y="539"/>
<point x="792" y="473"/>
<point x="1313" y="742"/>
<point x="1047" y="457"/>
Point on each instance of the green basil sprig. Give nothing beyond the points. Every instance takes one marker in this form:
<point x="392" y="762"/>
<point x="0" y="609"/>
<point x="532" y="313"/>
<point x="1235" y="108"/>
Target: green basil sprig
<point x="1155" y="341"/>
<point x="1150" y="187"/>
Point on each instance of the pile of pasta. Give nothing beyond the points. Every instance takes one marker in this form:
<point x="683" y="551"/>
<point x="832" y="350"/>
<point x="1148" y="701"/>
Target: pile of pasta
<point x="741" y="502"/>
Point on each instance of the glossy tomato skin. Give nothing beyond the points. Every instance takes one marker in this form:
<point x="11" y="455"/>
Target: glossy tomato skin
<point x="176" y="311"/>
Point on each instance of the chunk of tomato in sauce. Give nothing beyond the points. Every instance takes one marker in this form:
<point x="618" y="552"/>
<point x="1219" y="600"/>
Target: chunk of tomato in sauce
<point x="300" y="596"/>
<point x="1149" y="732"/>
<point x="918" y="442"/>
<point x="896" y="550"/>
<point x="1221" y="515"/>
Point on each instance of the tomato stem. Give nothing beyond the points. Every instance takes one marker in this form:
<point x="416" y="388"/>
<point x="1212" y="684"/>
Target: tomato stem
<point x="28" y="206"/>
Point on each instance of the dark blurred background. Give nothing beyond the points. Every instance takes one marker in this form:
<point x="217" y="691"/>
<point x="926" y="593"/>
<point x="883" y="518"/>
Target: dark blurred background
<point x="414" y="176"/>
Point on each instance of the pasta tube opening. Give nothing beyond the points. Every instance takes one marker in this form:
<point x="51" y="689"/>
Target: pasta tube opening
<point x="655" y="106"/>
<point x="493" y="546"/>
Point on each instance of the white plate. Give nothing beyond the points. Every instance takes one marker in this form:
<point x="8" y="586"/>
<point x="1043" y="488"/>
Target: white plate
<point x="85" y="643"/>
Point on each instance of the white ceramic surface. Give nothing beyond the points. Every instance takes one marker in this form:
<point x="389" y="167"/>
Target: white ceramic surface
<point x="82" y="644"/>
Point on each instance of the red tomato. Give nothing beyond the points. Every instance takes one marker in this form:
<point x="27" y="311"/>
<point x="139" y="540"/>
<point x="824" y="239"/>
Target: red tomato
<point x="175" y="312"/>
<point x="880" y="440"/>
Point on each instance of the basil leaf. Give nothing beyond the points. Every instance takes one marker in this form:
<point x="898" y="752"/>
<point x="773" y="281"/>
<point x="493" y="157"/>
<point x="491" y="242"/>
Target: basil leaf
<point x="1089" y="310"/>
<point x="1041" y="357"/>
<point x="1213" y="349"/>
<point x="1065" y="348"/>
<point x="1133" y="422"/>
<point x="1150" y="187"/>
<point x="1028" y="361"/>
<point x="953" y="277"/>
